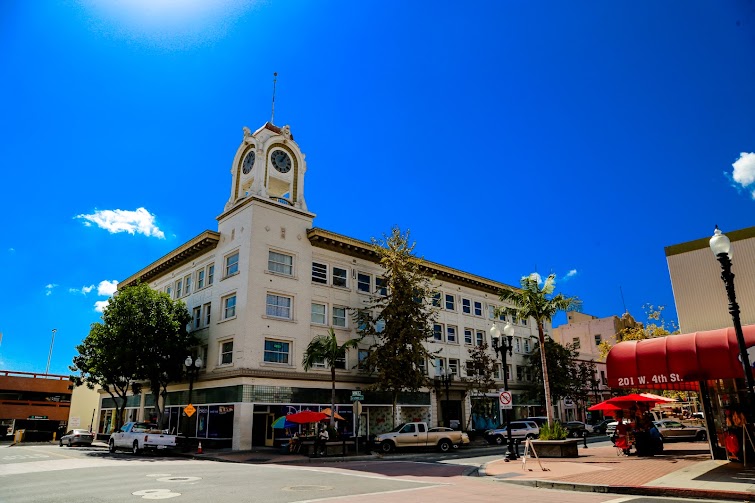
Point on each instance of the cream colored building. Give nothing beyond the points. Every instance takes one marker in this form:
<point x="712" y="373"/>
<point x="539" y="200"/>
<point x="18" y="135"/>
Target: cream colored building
<point x="699" y="294"/>
<point x="587" y="332"/>
<point x="267" y="282"/>
<point x="84" y="405"/>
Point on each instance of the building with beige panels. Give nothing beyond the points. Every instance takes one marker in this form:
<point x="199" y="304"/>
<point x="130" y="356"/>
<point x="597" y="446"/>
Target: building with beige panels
<point x="267" y="282"/>
<point x="587" y="332"/>
<point x="699" y="294"/>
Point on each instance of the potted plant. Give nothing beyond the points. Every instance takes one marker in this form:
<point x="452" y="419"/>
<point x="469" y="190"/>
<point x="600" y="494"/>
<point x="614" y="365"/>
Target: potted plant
<point x="552" y="442"/>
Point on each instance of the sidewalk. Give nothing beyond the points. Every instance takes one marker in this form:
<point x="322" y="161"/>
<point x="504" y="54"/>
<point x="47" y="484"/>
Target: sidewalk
<point x="684" y="470"/>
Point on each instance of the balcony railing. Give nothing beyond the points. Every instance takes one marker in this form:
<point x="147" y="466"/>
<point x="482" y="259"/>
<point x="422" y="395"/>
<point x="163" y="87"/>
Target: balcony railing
<point x="35" y="375"/>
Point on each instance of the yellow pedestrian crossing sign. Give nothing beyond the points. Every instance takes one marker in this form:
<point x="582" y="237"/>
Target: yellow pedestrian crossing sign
<point x="189" y="410"/>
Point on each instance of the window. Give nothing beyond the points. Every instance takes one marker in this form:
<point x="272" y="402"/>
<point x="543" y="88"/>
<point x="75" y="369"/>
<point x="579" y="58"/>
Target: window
<point x="187" y="285"/>
<point x="451" y="334"/>
<point x="453" y="366"/>
<point x="422" y="366"/>
<point x="519" y="373"/>
<point x="318" y="363"/>
<point x="603" y="379"/>
<point x="450" y="302"/>
<point x="575" y="342"/>
<point x="207" y="315"/>
<point x="179" y="288"/>
<point x="508" y="371"/>
<point x="524" y="322"/>
<point x="380" y="286"/>
<point x="379" y="325"/>
<point x="168" y="290"/>
<point x="437" y="332"/>
<point x="480" y="338"/>
<point x="319" y="273"/>
<point x="362" y="355"/>
<point x="364" y="282"/>
<point x="466" y="306"/>
<point x="340" y="363"/>
<point x="197" y="315"/>
<point x="491" y="312"/>
<point x="232" y="264"/>
<point x="436" y="299"/>
<point x="276" y="351"/>
<point x="318" y="313"/>
<point x="229" y="306"/>
<point x="518" y="344"/>
<point x="440" y="366"/>
<point x="526" y="345"/>
<point x="471" y="368"/>
<point x="598" y="339"/>
<point x="278" y="306"/>
<point x="339" y="276"/>
<point x="478" y="308"/>
<point x="339" y="316"/>
<point x="226" y="353"/>
<point x="200" y="279"/>
<point x="498" y="374"/>
<point x="210" y="274"/>
<point x="280" y="263"/>
<point x="468" y="334"/>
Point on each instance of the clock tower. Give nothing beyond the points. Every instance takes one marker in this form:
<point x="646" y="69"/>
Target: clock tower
<point x="268" y="164"/>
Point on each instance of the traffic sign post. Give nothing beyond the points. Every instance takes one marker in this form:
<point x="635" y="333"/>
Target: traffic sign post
<point x="506" y="400"/>
<point x="357" y="396"/>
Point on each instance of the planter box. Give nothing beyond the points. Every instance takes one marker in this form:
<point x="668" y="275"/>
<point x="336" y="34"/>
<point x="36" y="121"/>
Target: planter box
<point x="556" y="448"/>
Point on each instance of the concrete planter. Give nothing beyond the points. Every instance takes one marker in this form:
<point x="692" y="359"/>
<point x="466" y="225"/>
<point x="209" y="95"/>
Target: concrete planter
<point x="556" y="448"/>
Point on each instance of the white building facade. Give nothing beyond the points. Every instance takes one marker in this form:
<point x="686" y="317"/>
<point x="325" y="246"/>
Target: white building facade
<point x="263" y="285"/>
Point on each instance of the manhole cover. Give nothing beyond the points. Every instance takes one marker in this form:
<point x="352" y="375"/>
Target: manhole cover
<point x="308" y="488"/>
<point x="178" y="479"/>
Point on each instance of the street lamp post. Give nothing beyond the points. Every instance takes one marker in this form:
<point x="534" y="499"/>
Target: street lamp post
<point x="503" y="345"/>
<point x="445" y="378"/>
<point x="192" y="370"/>
<point x="49" y="355"/>
<point x="721" y="247"/>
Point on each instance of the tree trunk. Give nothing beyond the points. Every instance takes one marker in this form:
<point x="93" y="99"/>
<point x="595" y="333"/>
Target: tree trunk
<point x="118" y="399"/>
<point x="393" y="414"/>
<point x="546" y="383"/>
<point x="332" y="396"/>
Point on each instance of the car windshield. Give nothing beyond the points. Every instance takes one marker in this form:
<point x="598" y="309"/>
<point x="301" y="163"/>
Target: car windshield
<point x="398" y="428"/>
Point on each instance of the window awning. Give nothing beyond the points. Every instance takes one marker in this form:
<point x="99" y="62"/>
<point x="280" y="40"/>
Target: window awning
<point x="678" y="361"/>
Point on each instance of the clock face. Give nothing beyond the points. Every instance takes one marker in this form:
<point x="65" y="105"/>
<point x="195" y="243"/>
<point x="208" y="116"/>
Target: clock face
<point x="248" y="162"/>
<point x="281" y="161"/>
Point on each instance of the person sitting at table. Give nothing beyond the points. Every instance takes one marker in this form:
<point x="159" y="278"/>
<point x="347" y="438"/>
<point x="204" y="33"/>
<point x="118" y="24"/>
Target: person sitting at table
<point x="294" y="445"/>
<point x="622" y="437"/>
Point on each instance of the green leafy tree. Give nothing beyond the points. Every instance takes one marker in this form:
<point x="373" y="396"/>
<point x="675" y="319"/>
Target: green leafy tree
<point x="325" y="348"/>
<point x="561" y="367"/>
<point x="398" y="323"/>
<point x="655" y="326"/>
<point x="142" y="338"/>
<point x="480" y="378"/>
<point x="539" y="304"/>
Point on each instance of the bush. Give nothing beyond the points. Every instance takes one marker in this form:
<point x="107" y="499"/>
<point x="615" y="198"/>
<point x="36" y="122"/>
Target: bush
<point x="555" y="432"/>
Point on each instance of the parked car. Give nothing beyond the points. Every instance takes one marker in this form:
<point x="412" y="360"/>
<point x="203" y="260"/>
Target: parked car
<point x="538" y="420"/>
<point x="600" y="427"/>
<point x="611" y="427"/>
<point x="576" y="429"/>
<point x="419" y="435"/>
<point x="519" y="430"/>
<point x="76" y="437"/>
<point x="674" y="430"/>
<point x="138" y="437"/>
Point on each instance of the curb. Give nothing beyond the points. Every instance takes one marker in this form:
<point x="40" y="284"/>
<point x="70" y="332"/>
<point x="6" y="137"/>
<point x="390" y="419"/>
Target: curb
<point x="674" y="492"/>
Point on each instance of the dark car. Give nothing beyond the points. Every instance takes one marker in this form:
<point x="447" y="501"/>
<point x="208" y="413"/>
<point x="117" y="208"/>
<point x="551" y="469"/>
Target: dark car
<point x="576" y="429"/>
<point x="538" y="420"/>
<point x="600" y="428"/>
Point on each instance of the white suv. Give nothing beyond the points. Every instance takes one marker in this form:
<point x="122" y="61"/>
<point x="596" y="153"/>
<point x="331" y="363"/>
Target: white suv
<point x="519" y="430"/>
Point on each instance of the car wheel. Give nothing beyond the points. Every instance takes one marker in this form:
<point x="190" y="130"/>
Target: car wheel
<point x="530" y="436"/>
<point x="498" y="439"/>
<point x="111" y="446"/>
<point x="444" y="446"/>
<point x="387" y="447"/>
<point x="135" y="447"/>
<point x="701" y="435"/>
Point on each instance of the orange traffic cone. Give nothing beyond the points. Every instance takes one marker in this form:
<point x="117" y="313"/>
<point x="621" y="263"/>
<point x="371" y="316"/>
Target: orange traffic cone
<point x="199" y="448"/>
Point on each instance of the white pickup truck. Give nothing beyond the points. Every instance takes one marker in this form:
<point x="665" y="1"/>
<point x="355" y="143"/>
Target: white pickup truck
<point x="138" y="437"/>
<point x="419" y="435"/>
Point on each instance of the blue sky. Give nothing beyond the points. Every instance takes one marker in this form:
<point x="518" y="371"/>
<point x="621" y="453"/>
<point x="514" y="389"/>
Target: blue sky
<point x="508" y="136"/>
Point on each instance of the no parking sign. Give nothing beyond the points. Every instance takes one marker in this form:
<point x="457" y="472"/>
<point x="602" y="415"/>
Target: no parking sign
<point x="506" y="400"/>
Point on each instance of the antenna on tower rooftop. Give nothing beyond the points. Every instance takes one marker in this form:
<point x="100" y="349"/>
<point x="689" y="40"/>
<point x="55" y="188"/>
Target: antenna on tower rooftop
<point x="622" y="299"/>
<point x="272" y="115"/>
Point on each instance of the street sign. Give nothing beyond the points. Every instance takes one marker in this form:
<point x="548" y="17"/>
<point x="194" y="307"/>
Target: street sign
<point x="357" y="408"/>
<point x="37" y="417"/>
<point x="507" y="401"/>
<point x="568" y="403"/>
<point x="189" y="410"/>
<point x="357" y="396"/>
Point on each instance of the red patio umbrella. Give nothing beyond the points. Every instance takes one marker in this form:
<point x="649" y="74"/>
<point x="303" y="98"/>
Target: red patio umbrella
<point x="306" y="416"/>
<point x="605" y="406"/>
<point x="632" y="398"/>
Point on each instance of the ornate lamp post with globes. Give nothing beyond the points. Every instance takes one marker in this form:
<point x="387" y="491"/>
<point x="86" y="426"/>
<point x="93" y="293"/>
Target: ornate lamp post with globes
<point x="721" y="246"/>
<point x="192" y="370"/>
<point x="503" y="345"/>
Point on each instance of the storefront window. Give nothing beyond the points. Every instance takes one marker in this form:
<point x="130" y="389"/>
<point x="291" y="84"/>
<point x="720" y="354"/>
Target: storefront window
<point x="220" y="421"/>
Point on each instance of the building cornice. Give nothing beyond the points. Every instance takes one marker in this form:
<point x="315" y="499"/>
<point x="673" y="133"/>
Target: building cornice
<point x="702" y="243"/>
<point x="321" y="238"/>
<point x="270" y="202"/>
<point x="208" y="240"/>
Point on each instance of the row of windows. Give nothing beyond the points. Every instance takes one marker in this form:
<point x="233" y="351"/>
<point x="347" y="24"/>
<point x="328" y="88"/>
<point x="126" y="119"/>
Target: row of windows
<point x="202" y="277"/>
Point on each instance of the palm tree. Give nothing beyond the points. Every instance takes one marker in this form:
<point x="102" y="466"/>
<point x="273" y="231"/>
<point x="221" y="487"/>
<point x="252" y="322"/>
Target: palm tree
<point x="325" y="348"/>
<point x="536" y="303"/>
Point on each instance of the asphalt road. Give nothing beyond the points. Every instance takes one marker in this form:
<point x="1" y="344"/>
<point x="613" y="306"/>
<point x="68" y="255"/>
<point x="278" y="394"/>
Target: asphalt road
<point x="50" y="474"/>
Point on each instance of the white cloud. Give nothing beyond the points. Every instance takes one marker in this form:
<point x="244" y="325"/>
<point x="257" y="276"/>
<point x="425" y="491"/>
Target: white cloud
<point x="84" y="289"/>
<point x="571" y="273"/>
<point x="744" y="170"/>
<point x="50" y="287"/>
<point x="140" y="221"/>
<point x="107" y="287"/>
<point x="100" y="305"/>
<point x="11" y="250"/>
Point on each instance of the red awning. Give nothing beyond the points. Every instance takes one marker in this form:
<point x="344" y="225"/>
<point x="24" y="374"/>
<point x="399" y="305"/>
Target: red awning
<point x="678" y="361"/>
